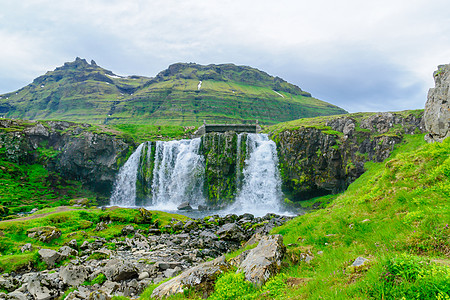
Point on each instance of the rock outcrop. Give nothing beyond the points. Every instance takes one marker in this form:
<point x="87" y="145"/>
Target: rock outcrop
<point x="73" y="150"/>
<point x="315" y="162"/>
<point x="437" y="108"/>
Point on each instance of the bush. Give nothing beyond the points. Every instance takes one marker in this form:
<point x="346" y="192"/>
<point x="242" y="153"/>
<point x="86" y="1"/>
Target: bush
<point x="232" y="286"/>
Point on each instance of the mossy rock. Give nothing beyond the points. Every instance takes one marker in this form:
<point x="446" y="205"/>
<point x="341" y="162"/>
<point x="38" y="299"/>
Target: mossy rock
<point x="80" y="202"/>
<point x="144" y="217"/>
<point x="3" y="210"/>
<point x="44" y="234"/>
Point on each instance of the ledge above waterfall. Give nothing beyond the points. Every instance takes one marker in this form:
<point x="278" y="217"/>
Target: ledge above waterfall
<point x="238" y="128"/>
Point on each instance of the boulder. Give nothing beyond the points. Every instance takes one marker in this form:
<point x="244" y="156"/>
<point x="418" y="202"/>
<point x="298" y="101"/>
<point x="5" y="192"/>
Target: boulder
<point x="73" y="275"/>
<point x="264" y="260"/>
<point x="49" y="256"/>
<point x="231" y="232"/>
<point x="202" y="276"/>
<point x="16" y="295"/>
<point x="437" y="107"/>
<point x="7" y="284"/>
<point x="66" y="251"/>
<point x="38" y="290"/>
<point x="44" y="234"/>
<point x="26" y="248"/>
<point x="129" y="229"/>
<point x="118" y="270"/>
<point x="184" y="206"/>
<point x="101" y="226"/>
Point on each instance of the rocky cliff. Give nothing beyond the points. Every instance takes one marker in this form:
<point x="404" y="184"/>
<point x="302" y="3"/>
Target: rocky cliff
<point x="437" y="108"/>
<point x="76" y="151"/>
<point x="325" y="157"/>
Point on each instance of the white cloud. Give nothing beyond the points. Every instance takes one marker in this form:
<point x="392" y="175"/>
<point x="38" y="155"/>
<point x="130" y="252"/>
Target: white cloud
<point x="387" y="46"/>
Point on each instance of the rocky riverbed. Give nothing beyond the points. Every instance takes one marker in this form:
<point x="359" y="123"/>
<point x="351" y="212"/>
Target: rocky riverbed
<point x="92" y="269"/>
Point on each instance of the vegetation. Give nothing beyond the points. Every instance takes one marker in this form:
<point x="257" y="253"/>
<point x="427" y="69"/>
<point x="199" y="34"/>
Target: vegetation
<point x="83" y="92"/>
<point x="24" y="187"/>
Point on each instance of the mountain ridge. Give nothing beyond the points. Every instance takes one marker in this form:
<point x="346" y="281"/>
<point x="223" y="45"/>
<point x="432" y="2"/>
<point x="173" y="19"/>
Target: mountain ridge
<point x="183" y="94"/>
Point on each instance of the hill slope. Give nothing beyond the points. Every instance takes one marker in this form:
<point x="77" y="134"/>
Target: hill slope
<point x="184" y="94"/>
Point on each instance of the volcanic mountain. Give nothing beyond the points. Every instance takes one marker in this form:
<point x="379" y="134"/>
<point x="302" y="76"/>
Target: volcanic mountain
<point x="183" y="94"/>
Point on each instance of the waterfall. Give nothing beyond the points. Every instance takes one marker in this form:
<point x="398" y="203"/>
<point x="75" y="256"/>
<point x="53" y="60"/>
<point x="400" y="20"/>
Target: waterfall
<point x="124" y="193"/>
<point x="178" y="174"/>
<point x="164" y="174"/>
<point x="261" y="189"/>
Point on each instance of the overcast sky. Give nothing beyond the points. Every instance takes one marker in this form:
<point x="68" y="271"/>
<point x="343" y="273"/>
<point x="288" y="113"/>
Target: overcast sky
<point x="359" y="55"/>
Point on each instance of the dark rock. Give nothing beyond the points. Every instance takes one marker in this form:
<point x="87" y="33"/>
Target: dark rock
<point x="184" y="206"/>
<point x="202" y="207"/>
<point x="129" y="229"/>
<point x="231" y="232"/>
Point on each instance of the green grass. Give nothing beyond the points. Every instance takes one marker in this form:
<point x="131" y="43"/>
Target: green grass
<point x="24" y="187"/>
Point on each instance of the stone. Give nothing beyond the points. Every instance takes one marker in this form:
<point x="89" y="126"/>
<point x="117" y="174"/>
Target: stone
<point x="26" y="248"/>
<point x="16" y="295"/>
<point x="203" y="275"/>
<point x="73" y="275"/>
<point x="359" y="261"/>
<point x="184" y="206"/>
<point x="49" y="256"/>
<point x="38" y="290"/>
<point x="119" y="270"/>
<point x="264" y="260"/>
<point x="170" y="273"/>
<point x="73" y="244"/>
<point x="202" y="208"/>
<point x="109" y="287"/>
<point x="129" y="229"/>
<point x="101" y="226"/>
<point x="44" y="234"/>
<point x="231" y="232"/>
<point x="98" y="295"/>
<point x="190" y="225"/>
<point x="66" y="251"/>
<point x="7" y="283"/>
<point x="437" y="107"/>
<point x="143" y="275"/>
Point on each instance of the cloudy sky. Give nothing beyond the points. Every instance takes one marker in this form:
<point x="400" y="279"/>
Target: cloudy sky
<point x="360" y="55"/>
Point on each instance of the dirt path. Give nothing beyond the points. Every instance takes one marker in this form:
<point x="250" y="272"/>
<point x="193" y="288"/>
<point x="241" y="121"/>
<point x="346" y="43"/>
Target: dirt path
<point x="58" y="210"/>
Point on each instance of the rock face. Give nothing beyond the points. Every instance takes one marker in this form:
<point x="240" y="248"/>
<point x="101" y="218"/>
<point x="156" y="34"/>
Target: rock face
<point x="263" y="261"/>
<point x="437" y="108"/>
<point x="316" y="162"/>
<point x="73" y="150"/>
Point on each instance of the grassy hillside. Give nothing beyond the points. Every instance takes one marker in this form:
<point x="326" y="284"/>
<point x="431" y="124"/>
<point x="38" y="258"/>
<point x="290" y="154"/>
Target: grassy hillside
<point x="83" y="92"/>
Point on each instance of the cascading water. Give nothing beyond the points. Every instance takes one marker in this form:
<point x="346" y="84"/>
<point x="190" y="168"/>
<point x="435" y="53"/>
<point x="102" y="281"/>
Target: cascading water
<point x="261" y="189"/>
<point x="173" y="172"/>
<point x="178" y="174"/>
<point x="124" y="193"/>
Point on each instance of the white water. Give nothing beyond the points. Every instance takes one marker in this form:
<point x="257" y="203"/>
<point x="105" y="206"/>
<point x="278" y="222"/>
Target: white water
<point x="199" y="86"/>
<point x="178" y="174"/>
<point x="124" y="193"/>
<point x="261" y="190"/>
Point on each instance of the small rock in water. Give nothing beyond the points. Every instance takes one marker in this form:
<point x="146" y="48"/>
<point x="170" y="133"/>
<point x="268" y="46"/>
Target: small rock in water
<point x="184" y="206"/>
<point x="202" y="207"/>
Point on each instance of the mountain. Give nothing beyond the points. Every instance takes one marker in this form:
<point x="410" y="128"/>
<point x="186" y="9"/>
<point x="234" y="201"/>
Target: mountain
<point x="183" y="94"/>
